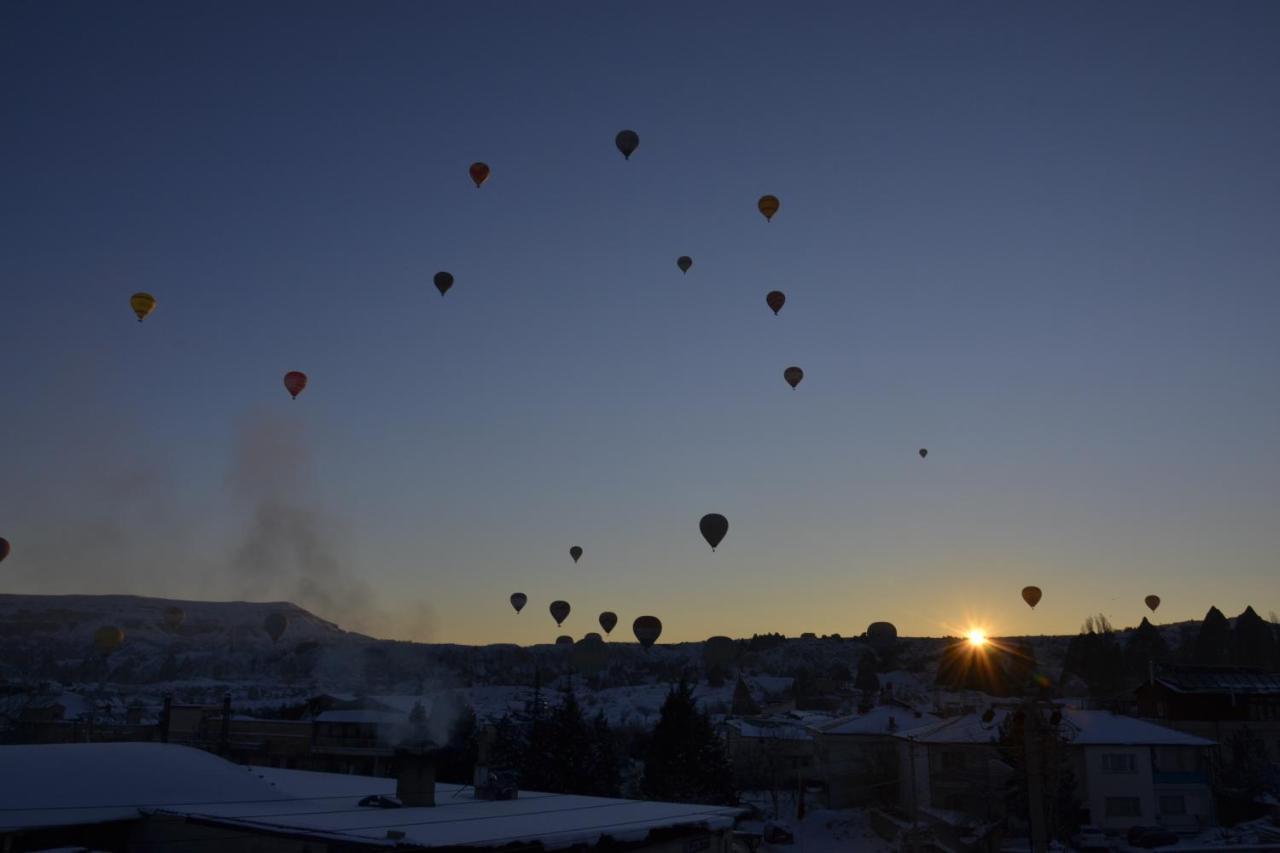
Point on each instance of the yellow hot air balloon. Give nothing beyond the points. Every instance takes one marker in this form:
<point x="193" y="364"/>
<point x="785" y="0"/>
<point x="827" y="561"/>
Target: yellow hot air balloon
<point x="142" y="305"/>
<point x="768" y="205"/>
<point x="107" y="639"/>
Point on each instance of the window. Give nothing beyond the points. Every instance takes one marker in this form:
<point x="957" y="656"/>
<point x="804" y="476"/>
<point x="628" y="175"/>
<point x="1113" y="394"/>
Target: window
<point x="1124" y="807"/>
<point x="1173" y="804"/>
<point x="1119" y="762"/>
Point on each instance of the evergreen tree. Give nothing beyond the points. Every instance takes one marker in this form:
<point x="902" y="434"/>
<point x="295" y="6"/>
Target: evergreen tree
<point x="1213" y="642"/>
<point x="686" y="762"/>
<point x="743" y="704"/>
<point x="1057" y="779"/>
<point x="456" y="759"/>
<point x="606" y="763"/>
<point x="1096" y="657"/>
<point x="1252" y="641"/>
<point x="867" y="681"/>
<point x="1145" y="647"/>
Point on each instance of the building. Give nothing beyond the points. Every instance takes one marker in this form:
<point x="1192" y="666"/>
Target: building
<point x="768" y="753"/>
<point x="1128" y="772"/>
<point x="856" y="757"/>
<point x="1215" y="702"/>
<point x="164" y="796"/>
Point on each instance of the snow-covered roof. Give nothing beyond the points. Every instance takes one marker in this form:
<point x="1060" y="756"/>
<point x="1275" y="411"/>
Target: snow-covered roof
<point x="313" y="783"/>
<point x="1222" y="679"/>
<point x="1105" y="728"/>
<point x="75" y="783"/>
<point x="1081" y="728"/>
<point x="362" y="715"/>
<point x="877" y="722"/>
<point x="458" y="819"/>
<point x="765" y="727"/>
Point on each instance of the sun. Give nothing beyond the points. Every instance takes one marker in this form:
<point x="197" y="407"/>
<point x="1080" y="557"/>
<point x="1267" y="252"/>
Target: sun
<point x="977" y="638"/>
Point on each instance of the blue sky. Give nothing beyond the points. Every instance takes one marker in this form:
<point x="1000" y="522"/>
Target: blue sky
<point x="1040" y="241"/>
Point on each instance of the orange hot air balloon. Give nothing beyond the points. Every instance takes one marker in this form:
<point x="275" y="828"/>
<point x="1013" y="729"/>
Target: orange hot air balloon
<point x="107" y="639"/>
<point x="627" y="141"/>
<point x="294" y="382"/>
<point x="1031" y="595"/>
<point x="924" y="451"/>
<point x="4" y="548"/>
<point x="576" y="553"/>
<point x="519" y="600"/>
<point x="793" y="375"/>
<point x="443" y="282"/>
<point x="775" y="299"/>
<point x="142" y="305"/>
<point x="173" y="618"/>
<point x="607" y="620"/>
<point x="559" y="611"/>
<point x="479" y="173"/>
<point x="275" y="623"/>
<point x="647" y="630"/>
<point x="713" y="527"/>
<point x="768" y="205"/>
<point x="1153" y="601"/>
<point x="684" y="262"/>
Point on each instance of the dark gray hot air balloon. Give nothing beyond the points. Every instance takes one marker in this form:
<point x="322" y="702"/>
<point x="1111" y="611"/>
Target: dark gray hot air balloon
<point x="1152" y="601"/>
<point x="793" y="375"/>
<point x="607" y="620"/>
<point x="684" y="262"/>
<point x="627" y="141"/>
<point x="590" y="654"/>
<point x="647" y="630"/>
<point x="576" y="553"/>
<point x="275" y="624"/>
<point x="564" y="640"/>
<point x="882" y="636"/>
<point x="519" y="600"/>
<point x="718" y="651"/>
<point x="443" y="281"/>
<point x="713" y="526"/>
<point x="559" y="611"/>
<point x="1031" y="595"/>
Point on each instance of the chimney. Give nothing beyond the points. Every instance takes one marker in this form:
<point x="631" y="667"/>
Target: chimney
<point x="415" y="778"/>
<point x="484" y="746"/>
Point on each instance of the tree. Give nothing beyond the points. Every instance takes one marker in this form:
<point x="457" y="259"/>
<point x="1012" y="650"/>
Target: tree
<point x="1213" y="642"/>
<point x="1252" y="641"/>
<point x="743" y="704"/>
<point x="563" y="754"/>
<point x="1096" y="657"/>
<point x="456" y="759"/>
<point x="867" y="681"/>
<point x="686" y="762"/>
<point x="1145" y="647"/>
<point x="1057" y="780"/>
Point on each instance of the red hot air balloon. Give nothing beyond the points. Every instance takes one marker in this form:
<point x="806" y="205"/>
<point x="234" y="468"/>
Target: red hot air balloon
<point x="559" y="611"/>
<point x="793" y="375"/>
<point x="713" y="526"/>
<point x="443" y="282"/>
<point x="775" y="299"/>
<point x="4" y="548"/>
<point x="647" y="630"/>
<point x="627" y="141"/>
<point x="479" y="173"/>
<point x="519" y="600"/>
<point x="607" y="620"/>
<point x="294" y="382"/>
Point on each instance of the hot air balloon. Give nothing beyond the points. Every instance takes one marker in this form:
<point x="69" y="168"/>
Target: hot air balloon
<point x="775" y="299"/>
<point x="793" y="375"/>
<point x="882" y="636"/>
<point x="590" y="654"/>
<point x="564" y="640"/>
<point x="173" y="618"/>
<point x="592" y="635"/>
<point x="275" y="623"/>
<point x="559" y="611"/>
<point x="684" y="262"/>
<point x="718" y="651"/>
<point x="713" y="526"/>
<point x="4" y="548"/>
<point x="294" y="382"/>
<point x="1031" y="595"/>
<point x="647" y="630"/>
<point x="924" y="451"/>
<point x="627" y="141"/>
<point x="607" y="620"/>
<point x="443" y="281"/>
<point x="576" y="553"/>
<point x="519" y="600"/>
<point x="479" y="173"/>
<point x="768" y="205"/>
<point x="107" y="639"/>
<point x="142" y="305"/>
<point x="1153" y="601"/>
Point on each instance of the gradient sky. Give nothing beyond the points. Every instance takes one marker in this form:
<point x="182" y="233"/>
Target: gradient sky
<point x="1042" y="240"/>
